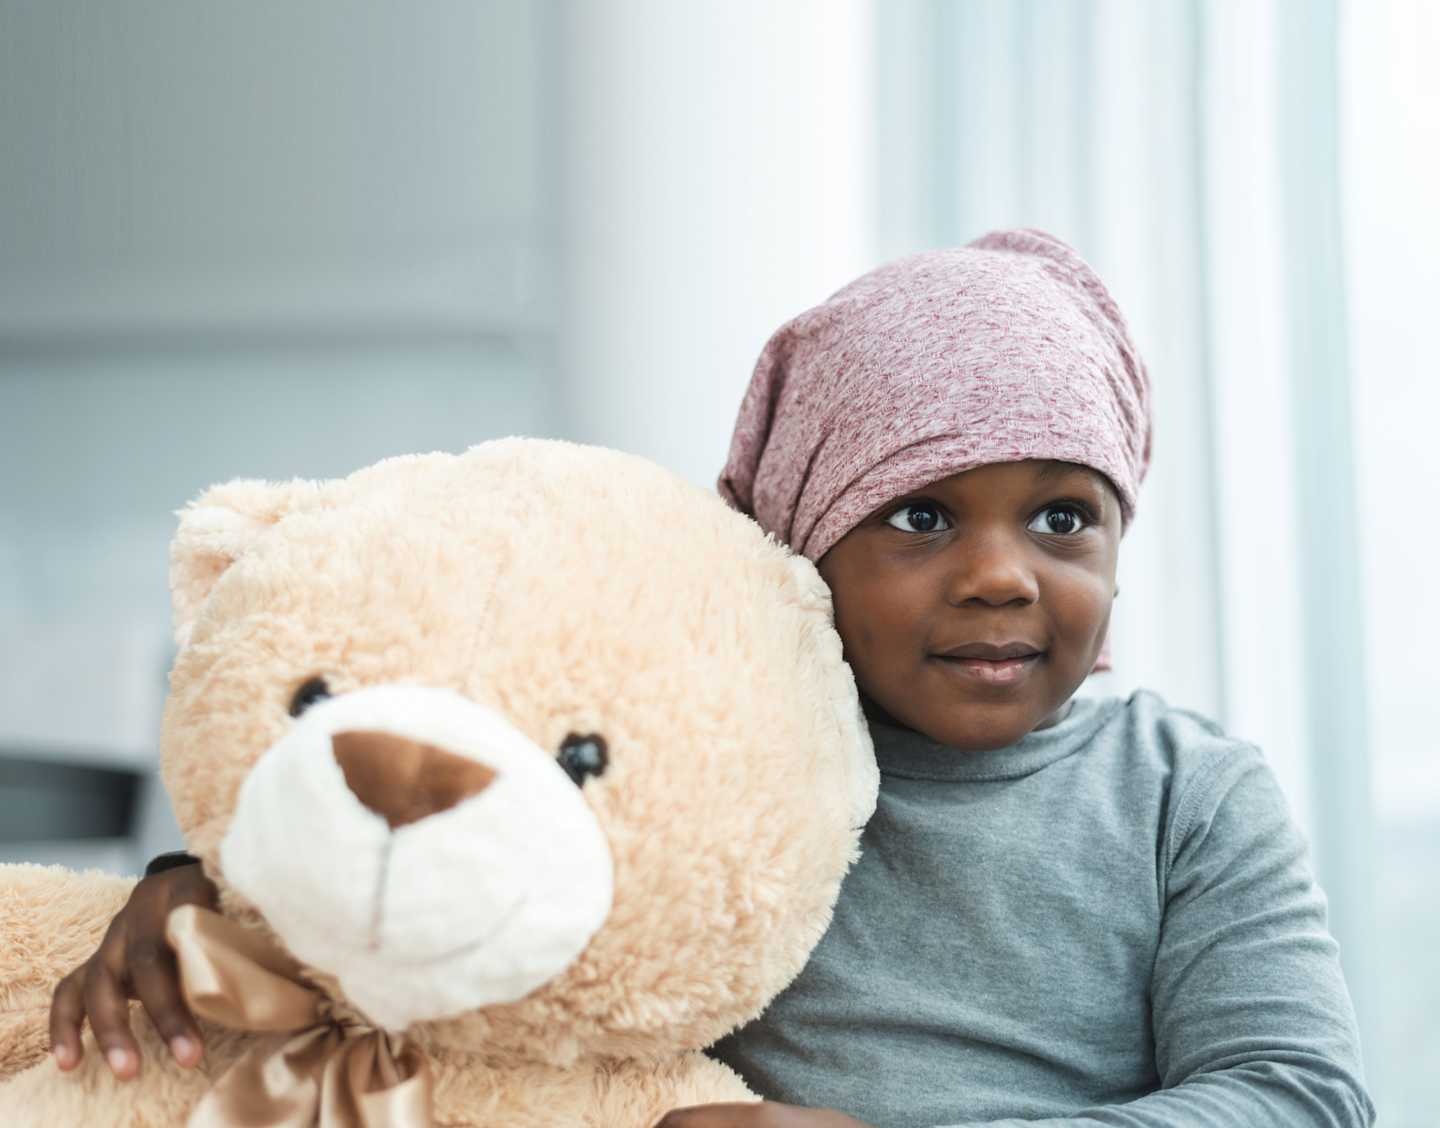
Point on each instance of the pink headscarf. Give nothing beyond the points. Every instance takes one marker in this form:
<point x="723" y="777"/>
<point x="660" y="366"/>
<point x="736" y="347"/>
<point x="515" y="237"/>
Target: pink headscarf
<point x="1009" y="348"/>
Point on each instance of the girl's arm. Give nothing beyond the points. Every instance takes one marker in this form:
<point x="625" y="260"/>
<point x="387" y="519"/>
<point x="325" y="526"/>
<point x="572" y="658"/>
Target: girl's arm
<point x="1253" y="1023"/>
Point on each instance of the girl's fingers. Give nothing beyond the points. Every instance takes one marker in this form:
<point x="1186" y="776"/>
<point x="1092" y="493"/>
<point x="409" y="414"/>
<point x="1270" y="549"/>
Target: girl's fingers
<point x="67" y="1011"/>
<point x="715" y="1116"/>
<point x="105" y="1003"/>
<point x="155" y="978"/>
<point x="192" y="887"/>
<point x="98" y="987"/>
<point x="756" y="1114"/>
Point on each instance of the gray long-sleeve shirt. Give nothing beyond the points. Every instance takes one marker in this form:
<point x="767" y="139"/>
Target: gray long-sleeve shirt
<point x="1112" y="922"/>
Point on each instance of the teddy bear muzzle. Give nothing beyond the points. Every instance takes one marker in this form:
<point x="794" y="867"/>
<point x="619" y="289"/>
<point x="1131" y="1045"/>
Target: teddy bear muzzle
<point x="414" y="844"/>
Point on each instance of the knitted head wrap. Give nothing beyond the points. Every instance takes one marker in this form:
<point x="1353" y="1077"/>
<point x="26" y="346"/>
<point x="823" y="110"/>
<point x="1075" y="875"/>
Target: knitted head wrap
<point x="1009" y="348"/>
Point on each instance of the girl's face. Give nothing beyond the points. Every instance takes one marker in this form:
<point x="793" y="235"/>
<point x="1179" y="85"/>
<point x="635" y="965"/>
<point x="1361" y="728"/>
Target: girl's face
<point x="973" y="609"/>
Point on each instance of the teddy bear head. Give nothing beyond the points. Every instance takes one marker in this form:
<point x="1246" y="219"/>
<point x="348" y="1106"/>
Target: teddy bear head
<point x="536" y="751"/>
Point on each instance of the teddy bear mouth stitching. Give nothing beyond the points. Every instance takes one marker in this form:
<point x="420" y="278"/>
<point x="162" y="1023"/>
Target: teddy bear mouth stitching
<point x="470" y="947"/>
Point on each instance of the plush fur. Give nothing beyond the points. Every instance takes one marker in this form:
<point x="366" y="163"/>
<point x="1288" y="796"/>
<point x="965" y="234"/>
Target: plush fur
<point x="568" y="590"/>
<point x="51" y="920"/>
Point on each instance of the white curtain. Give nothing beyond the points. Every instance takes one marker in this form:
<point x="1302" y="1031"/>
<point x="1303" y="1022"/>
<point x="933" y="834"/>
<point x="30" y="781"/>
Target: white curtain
<point x="1390" y="180"/>
<point x="711" y="165"/>
<point x="1258" y="184"/>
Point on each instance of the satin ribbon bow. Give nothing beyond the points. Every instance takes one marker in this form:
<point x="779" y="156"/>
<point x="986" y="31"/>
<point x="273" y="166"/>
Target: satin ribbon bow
<point x="315" y="1072"/>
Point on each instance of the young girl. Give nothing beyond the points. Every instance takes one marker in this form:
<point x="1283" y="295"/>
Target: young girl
<point x="1067" y="910"/>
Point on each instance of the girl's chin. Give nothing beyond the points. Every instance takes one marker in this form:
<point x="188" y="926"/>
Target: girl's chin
<point x="986" y="728"/>
<point x="978" y="721"/>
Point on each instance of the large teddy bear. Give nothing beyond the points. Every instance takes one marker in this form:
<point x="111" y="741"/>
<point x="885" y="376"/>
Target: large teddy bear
<point x="525" y="774"/>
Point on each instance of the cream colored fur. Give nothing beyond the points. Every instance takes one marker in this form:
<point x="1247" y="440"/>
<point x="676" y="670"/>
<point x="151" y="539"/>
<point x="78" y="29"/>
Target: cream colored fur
<point x="571" y="590"/>
<point x="51" y="920"/>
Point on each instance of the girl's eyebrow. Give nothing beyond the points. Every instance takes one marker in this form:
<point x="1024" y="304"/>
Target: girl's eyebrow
<point x="1052" y="470"/>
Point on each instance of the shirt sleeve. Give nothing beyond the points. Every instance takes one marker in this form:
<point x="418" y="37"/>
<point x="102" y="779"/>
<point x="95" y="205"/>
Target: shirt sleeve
<point x="1253" y="1024"/>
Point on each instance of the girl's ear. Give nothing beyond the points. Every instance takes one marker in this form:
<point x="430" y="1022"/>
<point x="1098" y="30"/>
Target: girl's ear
<point x="216" y="529"/>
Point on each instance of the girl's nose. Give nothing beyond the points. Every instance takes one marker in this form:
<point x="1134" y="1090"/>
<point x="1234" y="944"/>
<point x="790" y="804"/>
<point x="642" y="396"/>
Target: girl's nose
<point x="991" y="570"/>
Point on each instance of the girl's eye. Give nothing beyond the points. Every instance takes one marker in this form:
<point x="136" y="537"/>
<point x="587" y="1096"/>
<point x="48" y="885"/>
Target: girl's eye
<point x="918" y="517"/>
<point x="1059" y="520"/>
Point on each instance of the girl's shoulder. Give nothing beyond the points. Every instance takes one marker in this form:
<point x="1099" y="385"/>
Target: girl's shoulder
<point x="1178" y="725"/>
<point x="1181" y="748"/>
<point x="1219" y="800"/>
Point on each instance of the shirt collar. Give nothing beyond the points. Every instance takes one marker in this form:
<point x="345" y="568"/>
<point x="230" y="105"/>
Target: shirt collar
<point x="913" y="755"/>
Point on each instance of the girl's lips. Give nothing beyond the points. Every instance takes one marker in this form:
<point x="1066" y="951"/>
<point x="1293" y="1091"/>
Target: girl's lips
<point x="992" y="671"/>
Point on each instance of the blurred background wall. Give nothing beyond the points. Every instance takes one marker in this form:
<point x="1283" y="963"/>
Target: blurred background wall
<point x="277" y="240"/>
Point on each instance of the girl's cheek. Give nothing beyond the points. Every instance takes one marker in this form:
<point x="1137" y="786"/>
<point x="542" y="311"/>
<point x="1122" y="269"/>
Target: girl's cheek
<point x="1085" y="606"/>
<point x="855" y="638"/>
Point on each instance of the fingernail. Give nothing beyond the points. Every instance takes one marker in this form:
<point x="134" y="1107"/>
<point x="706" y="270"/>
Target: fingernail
<point x="119" y="1060"/>
<point x="64" y="1056"/>
<point x="183" y="1048"/>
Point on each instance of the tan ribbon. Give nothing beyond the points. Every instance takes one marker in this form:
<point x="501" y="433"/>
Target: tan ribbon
<point x="315" y="1071"/>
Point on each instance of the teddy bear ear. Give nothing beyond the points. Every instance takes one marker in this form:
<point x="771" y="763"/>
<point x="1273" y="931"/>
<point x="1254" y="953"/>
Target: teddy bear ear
<point x="216" y="529"/>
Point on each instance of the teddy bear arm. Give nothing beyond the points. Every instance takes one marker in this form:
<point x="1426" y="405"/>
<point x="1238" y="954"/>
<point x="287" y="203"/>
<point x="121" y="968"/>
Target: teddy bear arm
<point x="43" y="1097"/>
<point x="24" y="1038"/>
<point x="636" y="1096"/>
<point x="51" y="921"/>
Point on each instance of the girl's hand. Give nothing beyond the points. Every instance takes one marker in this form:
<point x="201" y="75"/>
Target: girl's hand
<point x="766" y="1114"/>
<point x="133" y="961"/>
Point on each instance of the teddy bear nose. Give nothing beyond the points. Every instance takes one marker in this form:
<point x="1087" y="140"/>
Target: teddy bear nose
<point x="403" y="780"/>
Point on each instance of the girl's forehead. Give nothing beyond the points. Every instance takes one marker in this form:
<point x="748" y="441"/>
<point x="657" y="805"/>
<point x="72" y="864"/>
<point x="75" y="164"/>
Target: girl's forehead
<point x="1030" y="473"/>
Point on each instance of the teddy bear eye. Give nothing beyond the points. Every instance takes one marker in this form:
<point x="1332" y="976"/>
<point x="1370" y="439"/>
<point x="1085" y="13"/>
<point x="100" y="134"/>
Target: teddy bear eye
<point x="310" y="691"/>
<point x="583" y="756"/>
